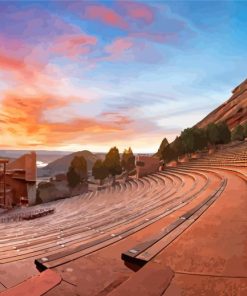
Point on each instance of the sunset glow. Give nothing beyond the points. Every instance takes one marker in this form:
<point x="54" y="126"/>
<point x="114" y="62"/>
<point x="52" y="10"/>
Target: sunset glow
<point x="80" y="75"/>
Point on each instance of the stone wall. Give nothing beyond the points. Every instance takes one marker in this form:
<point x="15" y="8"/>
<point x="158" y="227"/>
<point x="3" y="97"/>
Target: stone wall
<point x="54" y="190"/>
<point x="146" y="165"/>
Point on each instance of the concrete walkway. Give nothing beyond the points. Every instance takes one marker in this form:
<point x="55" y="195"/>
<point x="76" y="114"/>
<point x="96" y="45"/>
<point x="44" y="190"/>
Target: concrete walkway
<point x="210" y="258"/>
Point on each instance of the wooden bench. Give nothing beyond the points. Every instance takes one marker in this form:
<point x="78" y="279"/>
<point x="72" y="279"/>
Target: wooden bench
<point x="36" y="285"/>
<point x="139" y="255"/>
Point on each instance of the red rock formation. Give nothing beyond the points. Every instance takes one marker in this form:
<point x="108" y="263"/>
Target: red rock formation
<point x="233" y="111"/>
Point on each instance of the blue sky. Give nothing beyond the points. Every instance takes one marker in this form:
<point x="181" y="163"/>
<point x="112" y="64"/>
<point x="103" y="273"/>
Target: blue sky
<point x="94" y="74"/>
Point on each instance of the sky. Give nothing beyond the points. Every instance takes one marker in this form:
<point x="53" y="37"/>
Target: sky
<point x="78" y="75"/>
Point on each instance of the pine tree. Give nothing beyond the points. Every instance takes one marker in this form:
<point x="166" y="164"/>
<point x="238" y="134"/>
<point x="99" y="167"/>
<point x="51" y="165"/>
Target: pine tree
<point x="213" y="134"/>
<point x="238" y="133"/>
<point x="77" y="172"/>
<point x="128" y="161"/>
<point x="224" y="133"/>
<point x="100" y="171"/>
<point x="112" y="162"/>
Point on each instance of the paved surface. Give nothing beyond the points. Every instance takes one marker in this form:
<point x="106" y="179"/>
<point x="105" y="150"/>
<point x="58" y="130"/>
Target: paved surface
<point x="210" y="258"/>
<point x="14" y="273"/>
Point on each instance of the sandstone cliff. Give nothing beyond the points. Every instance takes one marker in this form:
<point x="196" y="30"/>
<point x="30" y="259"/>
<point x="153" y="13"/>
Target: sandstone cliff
<point x="233" y="111"/>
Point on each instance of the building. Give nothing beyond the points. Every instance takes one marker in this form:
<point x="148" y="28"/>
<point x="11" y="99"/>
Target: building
<point x="146" y="165"/>
<point x="18" y="181"/>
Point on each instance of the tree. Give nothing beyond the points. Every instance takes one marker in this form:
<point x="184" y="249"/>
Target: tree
<point x="178" y="146"/>
<point x="128" y="160"/>
<point x="169" y="154"/>
<point x="213" y="134"/>
<point x="163" y="145"/>
<point x="100" y="171"/>
<point x="245" y="130"/>
<point x="188" y="140"/>
<point x="73" y="178"/>
<point x="80" y="166"/>
<point x="224" y="133"/>
<point x="112" y="162"/>
<point x="77" y="172"/>
<point x="238" y="133"/>
<point x="199" y="138"/>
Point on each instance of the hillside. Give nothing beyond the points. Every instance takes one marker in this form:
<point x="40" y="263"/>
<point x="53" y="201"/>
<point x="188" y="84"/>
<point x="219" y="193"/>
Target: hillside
<point x="233" y="111"/>
<point x="61" y="165"/>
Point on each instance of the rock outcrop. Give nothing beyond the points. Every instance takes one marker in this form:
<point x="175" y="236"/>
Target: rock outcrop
<point x="233" y="111"/>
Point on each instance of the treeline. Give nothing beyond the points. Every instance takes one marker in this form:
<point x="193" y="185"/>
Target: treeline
<point x="112" y="165"/>
<point x="197" y="139"/>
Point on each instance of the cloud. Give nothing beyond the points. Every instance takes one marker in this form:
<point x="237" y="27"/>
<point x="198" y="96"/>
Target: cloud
<point x="24" y="123"/>
<point x="118" y="48"/>
<point x="138" y="11"/>
<point x="73" y="45"/>
<point x="105" y="15"/>
<point x="35" y="24"/>
<point x="131" y="50"/>
<point x="118" y="118"/>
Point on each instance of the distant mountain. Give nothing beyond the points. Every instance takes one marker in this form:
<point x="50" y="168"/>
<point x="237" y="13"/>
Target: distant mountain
<point x="61" y="165"/>
<point x="44" y="156"/>
<point x="233" y="111"/>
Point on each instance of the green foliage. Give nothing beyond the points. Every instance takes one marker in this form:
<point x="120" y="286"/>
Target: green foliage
<point x="178" y="146"/>
<point x="163" y="145"/>
<point x="201" y="139"/>
<point x="99" y="170"/>
<point x="112" y="162"/>
<point x="213" y="134"/>
<point x="73" y="178"/>
<point x="238" y="133"/>
<point x="188" y="140"/>
<point x="196" y="139"/>
<point x="77" y="172"/>
<point x="169" y="154"/>
<point x="128" y="160"/>
<point x="224" y="133"/>
<point x="245" y="130"/>
<point x="79" y="164"/>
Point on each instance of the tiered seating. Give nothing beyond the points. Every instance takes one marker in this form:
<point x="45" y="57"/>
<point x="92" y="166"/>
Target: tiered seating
<point x="33" y="214"/>
<point x="173" y="200"/>
<point x="142" y="253"/>
<point x="96" y="219"/>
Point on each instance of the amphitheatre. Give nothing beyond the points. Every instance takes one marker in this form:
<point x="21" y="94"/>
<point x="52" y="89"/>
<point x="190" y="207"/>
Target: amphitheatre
<point x="181" y="230"/>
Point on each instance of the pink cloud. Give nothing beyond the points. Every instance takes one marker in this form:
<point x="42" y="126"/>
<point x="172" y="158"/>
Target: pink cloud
<point x="105" y="15"/>
<point x="132" y="49"/>
<point x="74" y="45"/>
<point x="138" y="11"/>
<point x="119" y="47"/>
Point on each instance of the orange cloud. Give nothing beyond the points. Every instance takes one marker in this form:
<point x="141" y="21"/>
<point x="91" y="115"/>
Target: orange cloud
<point x="23" y="123"/>
<point x="105" y="15"/>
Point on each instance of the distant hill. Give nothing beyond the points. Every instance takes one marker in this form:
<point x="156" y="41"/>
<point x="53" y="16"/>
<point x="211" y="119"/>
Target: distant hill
<point x="44" y="156"/>
<point x="61" y="165"/>
<point x="233" y="111"/>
